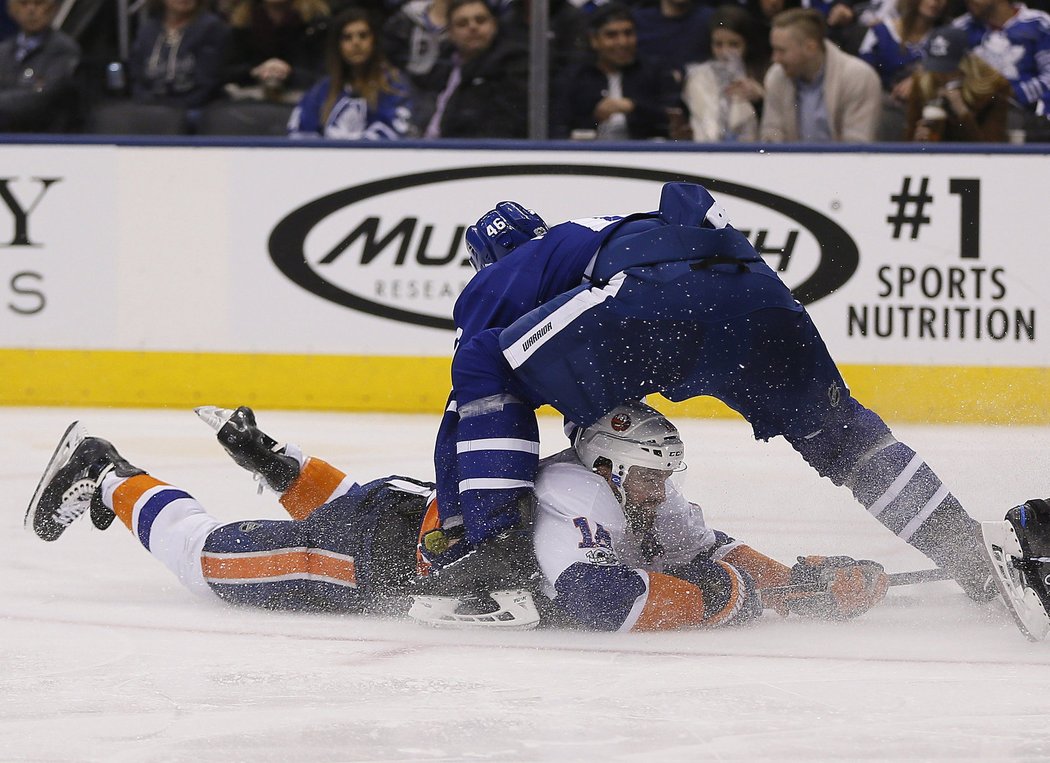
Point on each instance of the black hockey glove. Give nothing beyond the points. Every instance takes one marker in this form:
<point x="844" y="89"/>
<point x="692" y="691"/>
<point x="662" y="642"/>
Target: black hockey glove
<point x="832" y="588"/>
<point x="503" y="562"/>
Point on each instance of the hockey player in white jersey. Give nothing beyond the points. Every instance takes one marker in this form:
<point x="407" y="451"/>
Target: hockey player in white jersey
<point x="618" y="546"/>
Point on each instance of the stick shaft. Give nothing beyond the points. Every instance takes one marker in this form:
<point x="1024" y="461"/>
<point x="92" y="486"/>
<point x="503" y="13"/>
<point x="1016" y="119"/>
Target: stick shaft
<point x="896" y="578"/>
<point x="919" y="576"/>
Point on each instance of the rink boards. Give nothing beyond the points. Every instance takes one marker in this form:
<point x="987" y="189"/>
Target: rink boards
<point x="323" y="276"/>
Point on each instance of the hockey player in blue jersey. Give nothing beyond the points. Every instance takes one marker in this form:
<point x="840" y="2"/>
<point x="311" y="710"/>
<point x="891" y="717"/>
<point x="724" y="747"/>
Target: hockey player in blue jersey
<point x="599" y="311"/>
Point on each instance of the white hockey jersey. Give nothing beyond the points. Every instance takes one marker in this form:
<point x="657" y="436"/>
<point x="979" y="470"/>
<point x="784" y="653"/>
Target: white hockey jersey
<point x="585" y="549"/>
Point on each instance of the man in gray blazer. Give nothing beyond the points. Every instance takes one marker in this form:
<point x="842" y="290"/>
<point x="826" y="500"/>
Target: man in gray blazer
<point x="815" y="93"/>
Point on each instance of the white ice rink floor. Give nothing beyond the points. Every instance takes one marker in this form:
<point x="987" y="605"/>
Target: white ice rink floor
<point x="104" y="657"/>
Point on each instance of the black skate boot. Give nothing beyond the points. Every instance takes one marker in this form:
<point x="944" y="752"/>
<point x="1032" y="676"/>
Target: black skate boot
<point x="70" y="484"/>
<point x="249" y="446"/>
<point x="1019" y="548"/>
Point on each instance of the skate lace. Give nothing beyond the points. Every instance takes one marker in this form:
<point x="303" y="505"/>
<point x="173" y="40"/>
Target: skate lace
<point x="75" y="501"/>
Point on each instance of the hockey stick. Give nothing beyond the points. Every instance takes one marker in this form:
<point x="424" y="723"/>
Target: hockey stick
<point x="896" y="578"/>
<point x="919" y="576"/>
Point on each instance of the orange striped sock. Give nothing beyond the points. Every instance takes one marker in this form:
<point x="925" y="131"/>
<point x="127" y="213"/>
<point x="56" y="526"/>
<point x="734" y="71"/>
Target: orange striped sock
<point x="315" y="486"/>
<point x="128" y="493"/>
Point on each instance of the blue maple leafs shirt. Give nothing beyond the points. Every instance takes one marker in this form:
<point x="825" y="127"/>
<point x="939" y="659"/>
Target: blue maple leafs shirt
<point x="351" y="117"/>
<point x="1020" y="51"/>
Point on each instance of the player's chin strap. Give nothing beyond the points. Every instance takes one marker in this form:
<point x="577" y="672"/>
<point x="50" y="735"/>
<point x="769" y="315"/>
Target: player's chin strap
<point x="515" y="610"/>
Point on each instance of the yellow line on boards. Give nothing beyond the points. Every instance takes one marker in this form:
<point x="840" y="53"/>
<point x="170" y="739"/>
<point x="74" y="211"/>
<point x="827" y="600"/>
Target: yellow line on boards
<point x="86" y="378"/>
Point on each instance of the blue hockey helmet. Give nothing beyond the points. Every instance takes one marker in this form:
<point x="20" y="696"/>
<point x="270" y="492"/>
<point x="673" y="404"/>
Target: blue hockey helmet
<point x="500" y="231"/>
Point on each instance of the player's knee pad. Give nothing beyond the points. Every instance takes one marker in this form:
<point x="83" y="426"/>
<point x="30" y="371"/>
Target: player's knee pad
<point x="847" y="437"/>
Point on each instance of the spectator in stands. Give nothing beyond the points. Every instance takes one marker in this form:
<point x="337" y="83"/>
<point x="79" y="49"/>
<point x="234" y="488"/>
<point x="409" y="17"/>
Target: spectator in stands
<point x="174" y="69"/>
<point x="674" y="33"/>
<point x="956" y="96"/>
<point x="1015" y="40"/>
<point x="763" y="12"/>
<point x="415" y="40"/>
<point x="815" y="93"/>
<point x="894" y="47"/>
<point x="842" y="20"/>
<point x="178" y="54"/>
<point x="413" y="36"/>
<point x="486" y="92"/>
<point x="721" y="94"/>
<point x="619" y="95"/>
<point x="362" y="96"/>
<point x="36" y="70"/>
<point x="276" y="48"/>
<point x="276" y="52"/>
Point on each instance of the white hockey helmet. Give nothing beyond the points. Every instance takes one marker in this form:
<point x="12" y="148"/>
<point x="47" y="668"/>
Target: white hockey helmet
<point x="632" y="434"/>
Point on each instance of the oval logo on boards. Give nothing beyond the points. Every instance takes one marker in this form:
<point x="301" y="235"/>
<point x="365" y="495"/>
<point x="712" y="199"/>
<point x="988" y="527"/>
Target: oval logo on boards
<point x="394" y="248"/>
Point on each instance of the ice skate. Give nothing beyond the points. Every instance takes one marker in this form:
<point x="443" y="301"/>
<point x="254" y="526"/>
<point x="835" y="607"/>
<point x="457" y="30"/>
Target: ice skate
<point x="489" y="585"/>
<point x="250" y="447"/>
<point x="1019" y="549"/>
<point x="69" y="486"/>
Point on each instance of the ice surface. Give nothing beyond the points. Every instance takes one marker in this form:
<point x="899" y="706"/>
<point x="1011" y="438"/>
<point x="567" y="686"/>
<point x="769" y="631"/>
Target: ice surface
<point x="104" y="657"/>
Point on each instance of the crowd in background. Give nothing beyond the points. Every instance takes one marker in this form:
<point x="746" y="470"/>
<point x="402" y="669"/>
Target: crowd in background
<point x="684" y="70"/>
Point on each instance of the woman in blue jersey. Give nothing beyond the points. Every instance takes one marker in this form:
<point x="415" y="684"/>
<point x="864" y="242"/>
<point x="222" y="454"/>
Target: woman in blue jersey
<point x="362" y="97"/>
<point x="894" y="46"/>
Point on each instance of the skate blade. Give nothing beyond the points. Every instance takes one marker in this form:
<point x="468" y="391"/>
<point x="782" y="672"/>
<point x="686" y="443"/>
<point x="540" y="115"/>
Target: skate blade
<point x="71" y="438"/>
<point x="214" y="416"/>
<point x="516" y="610"/>
<point x="1001" y="546"/>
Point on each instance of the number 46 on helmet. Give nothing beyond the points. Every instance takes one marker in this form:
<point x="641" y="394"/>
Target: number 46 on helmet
<point x="500" y="231"/>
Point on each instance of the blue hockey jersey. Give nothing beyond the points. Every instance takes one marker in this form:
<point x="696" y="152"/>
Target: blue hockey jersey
<point x="1020" y="51"/>
<point x="351" y="117"/>
<point x="883" y="49"/>
<point x="487" y="448"/>
<point x="532" y="274"/>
